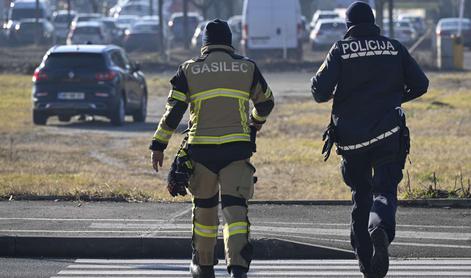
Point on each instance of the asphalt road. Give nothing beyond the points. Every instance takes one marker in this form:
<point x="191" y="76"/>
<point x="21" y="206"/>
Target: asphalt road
<point x="421" y="232"/>
<point x="90" y="268"/>
<point x="34" y="268"/>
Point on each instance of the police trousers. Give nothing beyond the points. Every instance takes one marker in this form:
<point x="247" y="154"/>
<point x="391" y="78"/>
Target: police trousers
<point x="233" y="183"/>
<point x="373" y="177"/>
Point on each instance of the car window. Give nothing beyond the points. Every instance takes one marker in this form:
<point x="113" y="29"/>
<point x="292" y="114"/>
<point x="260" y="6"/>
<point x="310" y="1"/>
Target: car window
<point x="87" y="30"/>
<point x="63" y="18"/>
<point x="75" y="60"/>
<point x="125" y="58"/>
<point x="145" y="28"/>
<point x="331" y="26"/>
<point x="18" y="14"/>
<point x="118" y="60"/>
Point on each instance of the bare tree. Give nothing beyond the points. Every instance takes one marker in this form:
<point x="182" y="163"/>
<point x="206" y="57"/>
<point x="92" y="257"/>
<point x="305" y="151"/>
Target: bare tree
<point x="203" y="6"/>
<point x="95" y="5"/>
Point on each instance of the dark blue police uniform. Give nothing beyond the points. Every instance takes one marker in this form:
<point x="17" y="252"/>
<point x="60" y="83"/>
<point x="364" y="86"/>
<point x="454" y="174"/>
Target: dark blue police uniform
<point x="369" y="76"/>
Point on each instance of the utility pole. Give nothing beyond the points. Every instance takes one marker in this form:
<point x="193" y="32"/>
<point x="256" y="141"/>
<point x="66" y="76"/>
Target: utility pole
<point x="391" y="18"/>
<point x="379" y="7"/>
<point x="161" y="29"/>
<point x="2" y="12"/>
<point x="151" y="7"/>
<point x="69" y="13"/>
<point x="36" y="25"/>
<point x="185" y="25"/>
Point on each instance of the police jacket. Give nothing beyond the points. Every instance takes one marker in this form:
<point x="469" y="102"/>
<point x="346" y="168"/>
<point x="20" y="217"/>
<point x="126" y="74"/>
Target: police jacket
<point x="368" y="76"/>
<point x="218" y="87"/>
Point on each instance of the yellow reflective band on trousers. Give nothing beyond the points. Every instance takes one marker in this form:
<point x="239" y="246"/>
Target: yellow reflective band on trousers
<point x="220" y="92"/>
<point x="236" y="228"/>
<point x="268" y="93"/>
<point x="205" y="231"/>
<point x="258" y="117"/>
<point x="217" y="140"/>
<point x="162" y="135"/>
<point x="178" y="95"/>
<point x="243" y="115"/>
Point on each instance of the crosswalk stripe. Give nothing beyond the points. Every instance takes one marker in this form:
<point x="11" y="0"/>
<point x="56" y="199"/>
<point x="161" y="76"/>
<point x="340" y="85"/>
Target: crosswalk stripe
<point x="159" y="268"/>
<point x="438" y="261"/>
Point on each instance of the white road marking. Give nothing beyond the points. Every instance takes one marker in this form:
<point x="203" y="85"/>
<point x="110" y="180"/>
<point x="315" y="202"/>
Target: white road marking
<point x="186" y="210"/>
<point x="133" y="268"/>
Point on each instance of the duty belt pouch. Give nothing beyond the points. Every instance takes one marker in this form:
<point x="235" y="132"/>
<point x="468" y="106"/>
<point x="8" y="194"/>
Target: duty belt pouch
<point x="404" y="141"/>
<point x="253" y="138"/>
<point x="329" y="140"/>
<point x="180" y="171"/>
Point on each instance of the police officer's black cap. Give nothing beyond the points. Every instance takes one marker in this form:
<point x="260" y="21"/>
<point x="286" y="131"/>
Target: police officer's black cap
<point x="359" y="13"/>
<point x="217" y="32"/>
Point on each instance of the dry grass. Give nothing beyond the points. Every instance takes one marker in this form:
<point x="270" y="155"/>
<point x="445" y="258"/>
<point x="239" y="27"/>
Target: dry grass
<point x="73" y="162"/>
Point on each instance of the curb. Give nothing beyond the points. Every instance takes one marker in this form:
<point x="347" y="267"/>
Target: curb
<point x="435" y="203"/>
<point x="156" y="248"/>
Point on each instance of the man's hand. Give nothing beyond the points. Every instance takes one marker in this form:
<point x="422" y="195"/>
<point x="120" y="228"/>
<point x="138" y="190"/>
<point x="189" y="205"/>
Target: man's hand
<point x="157" y="158"/>
<point x="257" y="126"/>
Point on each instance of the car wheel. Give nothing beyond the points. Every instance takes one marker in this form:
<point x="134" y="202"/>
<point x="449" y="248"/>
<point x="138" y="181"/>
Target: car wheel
<point x="140" y="115"/>
<point x="39" y="118"/>
<point x="118" y="115"/>
<point x="64" y="118"/>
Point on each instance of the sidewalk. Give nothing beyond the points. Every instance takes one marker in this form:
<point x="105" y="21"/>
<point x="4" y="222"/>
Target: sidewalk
<point x="159" y="230"/>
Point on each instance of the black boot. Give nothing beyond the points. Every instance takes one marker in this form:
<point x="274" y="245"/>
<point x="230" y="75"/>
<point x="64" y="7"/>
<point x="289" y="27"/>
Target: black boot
<point x="238" y="272"/>
<point x="202" y="271"/>
<point x="380" y="259"/>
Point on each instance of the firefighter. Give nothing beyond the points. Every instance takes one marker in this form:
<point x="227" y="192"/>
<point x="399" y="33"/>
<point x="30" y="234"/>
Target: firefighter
<point x="217" y="86"/>
<point x="369" y="76"/>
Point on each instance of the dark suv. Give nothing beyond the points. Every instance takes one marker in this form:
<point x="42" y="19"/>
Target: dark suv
<point x="88" y="80"/>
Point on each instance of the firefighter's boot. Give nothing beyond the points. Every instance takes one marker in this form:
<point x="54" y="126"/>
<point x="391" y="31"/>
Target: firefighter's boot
<point x="238" y="272"/>
<point x="202" y="271"/>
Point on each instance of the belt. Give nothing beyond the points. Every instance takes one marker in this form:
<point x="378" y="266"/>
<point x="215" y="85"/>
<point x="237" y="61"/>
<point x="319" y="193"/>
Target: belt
<point x="367" y="143"/>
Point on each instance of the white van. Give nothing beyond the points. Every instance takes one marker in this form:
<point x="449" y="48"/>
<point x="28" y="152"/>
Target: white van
<point x="272" y="28"/>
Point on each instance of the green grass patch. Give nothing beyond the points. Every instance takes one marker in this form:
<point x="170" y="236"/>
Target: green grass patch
<point x="47" y="161"/>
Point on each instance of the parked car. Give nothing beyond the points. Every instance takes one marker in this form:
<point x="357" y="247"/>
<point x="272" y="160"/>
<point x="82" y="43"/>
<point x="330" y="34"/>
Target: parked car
<point x="446" y="27"/>
<point x="126" y="21"/>
<point x="25" y="9"/>
<point x="142" y="36"/>
<point x="197" y="40"/>
<point x="322" y="14"/>
<point x="271" y="27"/>
<point x="116" y="33"/>
<point x="175" y="26"/>
<point x="404" y="31"/>
<point x="418" y="23"/>
<point x="305" y="30"/>
<point x="235" y="22"/>
<point x="62" y="21"/>
<point x="26" y="30"/>
<point x="136" y="9"/>
<point x="92" y="32"/>
<point x="88" y="80"/>
<point x="327" y="32"/>
<point x="84" y="18"/>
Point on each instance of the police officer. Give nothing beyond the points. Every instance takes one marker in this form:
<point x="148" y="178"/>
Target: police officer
<point x="369" y="76"/>
<point x="217" y="86"/>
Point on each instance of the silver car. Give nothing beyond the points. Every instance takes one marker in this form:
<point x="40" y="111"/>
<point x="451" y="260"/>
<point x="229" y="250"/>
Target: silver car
<point x="327" y="32"/>
<point x="92" y="32"/>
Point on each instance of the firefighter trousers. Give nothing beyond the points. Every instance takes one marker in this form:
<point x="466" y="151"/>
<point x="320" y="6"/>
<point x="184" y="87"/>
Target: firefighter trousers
<point x="233" y="184"/>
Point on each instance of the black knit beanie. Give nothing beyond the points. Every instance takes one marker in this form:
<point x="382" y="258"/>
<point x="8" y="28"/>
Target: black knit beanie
<point x="359" y="12"/>
<point x="217" y="32"/>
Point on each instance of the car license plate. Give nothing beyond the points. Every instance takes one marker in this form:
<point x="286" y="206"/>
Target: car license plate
<point x="71" y="96"/>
